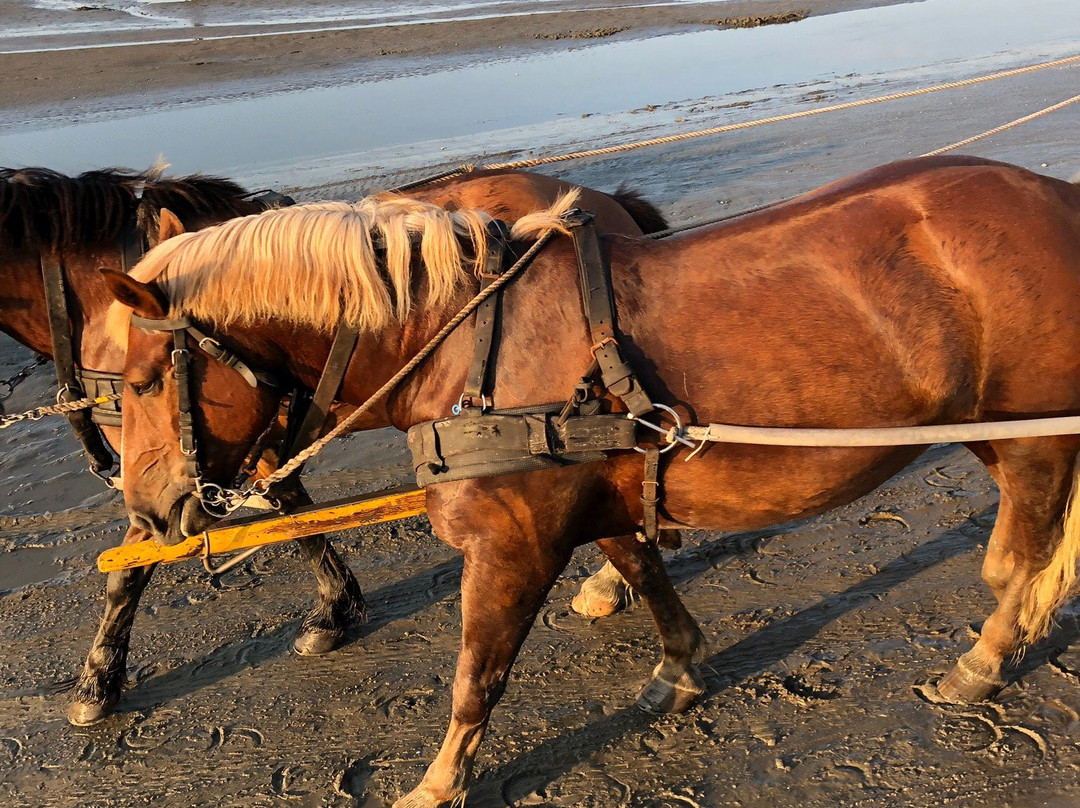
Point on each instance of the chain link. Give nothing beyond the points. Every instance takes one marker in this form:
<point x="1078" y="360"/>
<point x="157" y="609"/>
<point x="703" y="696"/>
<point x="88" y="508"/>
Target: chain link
<point x="9" y="384"/>
<point x="56" y="409"/>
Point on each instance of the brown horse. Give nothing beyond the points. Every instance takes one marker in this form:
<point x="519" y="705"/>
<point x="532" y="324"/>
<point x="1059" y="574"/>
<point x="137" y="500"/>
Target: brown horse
<point x="81" y="220"/>
<point x="927" y="291"/>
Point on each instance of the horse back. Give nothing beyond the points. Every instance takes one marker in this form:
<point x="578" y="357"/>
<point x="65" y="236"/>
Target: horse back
<point x="926" y="290"/>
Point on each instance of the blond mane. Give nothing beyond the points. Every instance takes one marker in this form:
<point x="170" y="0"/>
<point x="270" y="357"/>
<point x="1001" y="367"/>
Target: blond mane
<point x="316" y="264"/>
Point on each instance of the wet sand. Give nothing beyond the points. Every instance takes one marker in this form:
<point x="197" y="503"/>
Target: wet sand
<point x="53" y="80"/>
<point x="822" y="635"/>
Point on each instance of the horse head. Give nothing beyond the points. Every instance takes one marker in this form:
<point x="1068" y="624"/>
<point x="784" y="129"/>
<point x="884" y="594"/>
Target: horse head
<point x="226" y="410"/>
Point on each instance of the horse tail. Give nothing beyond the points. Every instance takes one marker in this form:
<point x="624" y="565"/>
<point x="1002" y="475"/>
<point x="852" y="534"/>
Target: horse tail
<point x="644" y="213"/>
<point x="1052" y="585"/>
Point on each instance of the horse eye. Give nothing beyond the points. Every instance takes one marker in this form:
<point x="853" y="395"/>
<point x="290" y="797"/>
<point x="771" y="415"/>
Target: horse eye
<point x="146" y="388"/>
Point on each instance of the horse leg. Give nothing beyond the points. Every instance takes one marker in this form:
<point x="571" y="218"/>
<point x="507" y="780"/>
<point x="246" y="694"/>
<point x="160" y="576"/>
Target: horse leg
<point x="504" y="582"/>
<point x="1026" y="548"/>
<point x="675" y="683"/>
<point x="340" y="600"/>
<point x="99" y="686"/>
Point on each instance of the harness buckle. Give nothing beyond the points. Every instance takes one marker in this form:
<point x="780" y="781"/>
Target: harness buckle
<point x="598" y="346"/>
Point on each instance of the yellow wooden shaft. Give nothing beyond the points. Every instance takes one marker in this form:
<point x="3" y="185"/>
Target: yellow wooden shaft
<point x="325" y="518"/>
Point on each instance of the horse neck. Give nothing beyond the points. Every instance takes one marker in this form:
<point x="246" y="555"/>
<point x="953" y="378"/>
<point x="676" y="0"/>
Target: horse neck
<point x="24" y="312"/>
<point x="542" y="346"/>
<point x="541" y="355"/>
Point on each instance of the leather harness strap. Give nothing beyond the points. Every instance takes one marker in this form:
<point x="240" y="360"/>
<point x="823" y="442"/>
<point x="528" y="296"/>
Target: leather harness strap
<point x="326" y="391"/>
<point x="182" y="366"/>
<point x="476" y="443"/>
<point x="52" y="272"/>
<point x="597" y="297"/>
<point x="487" y="318"/>
<point x="650" y="494"/>
<point x="132" y="245"/>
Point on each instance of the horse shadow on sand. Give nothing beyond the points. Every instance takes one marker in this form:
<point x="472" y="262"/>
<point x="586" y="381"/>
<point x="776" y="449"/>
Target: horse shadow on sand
<point x="394" y="601"/>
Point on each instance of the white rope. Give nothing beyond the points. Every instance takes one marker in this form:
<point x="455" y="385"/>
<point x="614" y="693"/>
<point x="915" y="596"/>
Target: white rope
<point x="886" y="435"/>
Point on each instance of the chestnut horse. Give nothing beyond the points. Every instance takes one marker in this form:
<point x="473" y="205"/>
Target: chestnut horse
<point x="927" y="291"/>
<point x="80" y="220"/>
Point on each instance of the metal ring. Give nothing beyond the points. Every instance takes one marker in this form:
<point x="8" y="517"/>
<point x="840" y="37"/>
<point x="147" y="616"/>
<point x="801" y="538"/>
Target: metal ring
<point x="661" y="430"/>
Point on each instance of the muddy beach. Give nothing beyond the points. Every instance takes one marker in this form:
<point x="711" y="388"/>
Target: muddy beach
<point x="823" y="636"/>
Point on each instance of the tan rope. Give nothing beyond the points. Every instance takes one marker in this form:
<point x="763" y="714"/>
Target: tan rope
<point x="263" y="485"/>
<point x="749" y="124"/>
<point x="886" y="435"/>
<point x="56" y="409"/>
<point x="958" y="144"/>
<point x="790" y="116"/>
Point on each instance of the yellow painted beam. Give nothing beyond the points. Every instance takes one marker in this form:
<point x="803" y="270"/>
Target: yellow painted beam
<point x="256" y="531"/>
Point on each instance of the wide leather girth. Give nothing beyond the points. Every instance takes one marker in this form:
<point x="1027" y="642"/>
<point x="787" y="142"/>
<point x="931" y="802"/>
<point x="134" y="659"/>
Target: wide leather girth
<point x="485" y="445"/>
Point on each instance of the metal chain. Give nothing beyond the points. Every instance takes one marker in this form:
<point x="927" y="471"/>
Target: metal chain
<point x="9" y="384"/>
<point x="56" y="409"/>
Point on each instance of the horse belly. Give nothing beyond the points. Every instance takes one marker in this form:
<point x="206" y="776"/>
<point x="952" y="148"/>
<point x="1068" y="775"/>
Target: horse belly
<point x="732" y="487"/>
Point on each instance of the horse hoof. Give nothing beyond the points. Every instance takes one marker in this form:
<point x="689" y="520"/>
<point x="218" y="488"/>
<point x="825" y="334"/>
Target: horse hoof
<point x="965" y="685"/>
<point x="660" y="696"/>
<point x="88" y="713"/>
<point x="420" y="797"/>
<point x="602" y="594"/>
<point x="588" y="605"/>
<point x="316" y="642"/>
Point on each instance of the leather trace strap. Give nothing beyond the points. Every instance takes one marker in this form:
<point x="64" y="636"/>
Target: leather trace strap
<point x="477" y="382"/>
<point x="98" y="454"/>
<point x="598" y="300"/>
<point x="650" y="494"/>
<point x="326" y="391"/>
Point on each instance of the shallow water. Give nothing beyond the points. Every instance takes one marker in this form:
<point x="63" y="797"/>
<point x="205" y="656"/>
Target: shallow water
<point x="315" y="134"/>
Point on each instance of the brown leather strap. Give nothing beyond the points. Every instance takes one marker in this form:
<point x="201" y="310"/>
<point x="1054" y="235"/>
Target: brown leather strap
<point x="132" y="245"/>
<point x="476" y="388"/>
<point x="326" y="391"/>
<point x="650" y="494"/>
<point x="97" y="453"/>
<point x="597" y="298"/>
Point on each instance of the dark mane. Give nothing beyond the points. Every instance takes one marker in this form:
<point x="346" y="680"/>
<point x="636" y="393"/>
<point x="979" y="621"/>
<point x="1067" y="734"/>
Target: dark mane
<point x="41" y="209"/>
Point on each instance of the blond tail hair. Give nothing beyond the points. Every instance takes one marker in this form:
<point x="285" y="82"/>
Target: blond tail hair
<point x="1053" y="585"/>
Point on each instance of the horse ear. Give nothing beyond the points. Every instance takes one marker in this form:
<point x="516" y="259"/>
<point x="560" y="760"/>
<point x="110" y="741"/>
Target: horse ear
<point x="169" y="225"/>
<point x="145" y="299"/>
